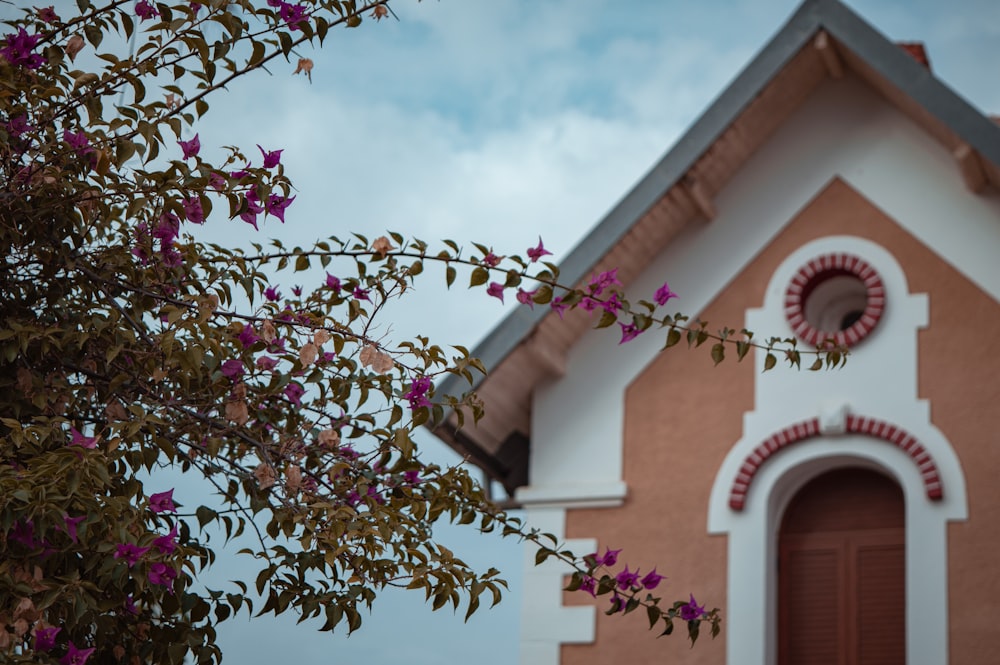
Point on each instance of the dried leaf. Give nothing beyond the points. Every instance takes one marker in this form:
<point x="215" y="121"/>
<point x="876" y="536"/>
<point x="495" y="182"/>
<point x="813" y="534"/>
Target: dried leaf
<point x="308" y="353"/>
<point x="382" y="246"/>
<point x="73" y="46"/>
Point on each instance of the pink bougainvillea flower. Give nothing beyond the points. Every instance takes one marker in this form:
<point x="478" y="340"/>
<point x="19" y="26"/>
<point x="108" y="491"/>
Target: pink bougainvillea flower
<point x="232" y="369"/>
<point x="629" y="332"/>
<point x="627" y="579"/>
<point x="297" y="291"/>
<point x="417" y="394"/>
<point x="691" y="611"/>
<point x="360" y="294"/>
<point x="70" y="524"/>
<point x="78" y="141"/>
<point x="45" y="638"/>
<point x="535" y="253"/>
<point x="293" y="15"/>
<point x="663" y="294"/>
<point x="240" y="173"/>
<point x="193" y="210"/>
<point x="24" y="533"/>
<point x="190" y="148"/>
<point x="276" y="205"/>
<point x="130" y="552"/>
<point x="589" y="584"/>
<point x="47" y="14"/>
<point x="294" y="392"/>
<point x="271" y="157"/>
<point x="559" y="307"/>
<point x="267" y="363"/>
<point x="651" y="580"/>
<point x="18" y="49"/>
<point x="412" y="477"/>
<point x="617" y="603"/>
<point x="216" y="182"/>
<point x="162" y="502"/>
<point x="609" y="559"/>
<point x="612" y="304"/>
<point x="167" y="543"/>
<point x="78" y="439"/>
<point x="603" y="281"/>
<point x="162" y="574"/>
<point x="145" y="9"/>
<point x="495" y="289"/>
<point x="332" y="282"/>
<point x="525" y="297"/>
<point x="272" y="294"/>
<point x="75" y="656"/>
<point x="491" y="260"/>
<point x="248" y="336"/>
<point x="18" y="125"/>
<point x="130" y="605"/>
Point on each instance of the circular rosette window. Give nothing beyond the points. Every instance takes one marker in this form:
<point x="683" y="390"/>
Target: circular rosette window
<point x="834" y="296"/>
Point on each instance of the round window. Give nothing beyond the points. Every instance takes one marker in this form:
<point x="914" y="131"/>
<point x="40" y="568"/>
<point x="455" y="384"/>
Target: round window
<point x="834" y="296"/>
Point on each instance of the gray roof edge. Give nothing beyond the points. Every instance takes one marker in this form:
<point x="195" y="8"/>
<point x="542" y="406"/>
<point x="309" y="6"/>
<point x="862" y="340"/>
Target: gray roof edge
<point x="511" y="331"/>
<point x="914" y="80"/>
<point x="846" y="27"/>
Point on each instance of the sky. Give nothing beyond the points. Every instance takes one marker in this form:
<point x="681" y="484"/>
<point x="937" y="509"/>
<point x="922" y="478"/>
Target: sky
<point x="502" y="121"/>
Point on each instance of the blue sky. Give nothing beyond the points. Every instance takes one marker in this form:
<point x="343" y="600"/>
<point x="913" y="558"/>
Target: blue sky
<point x="499" y="121"/>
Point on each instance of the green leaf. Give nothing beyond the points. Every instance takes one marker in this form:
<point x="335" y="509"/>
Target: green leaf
<point x="480" y="275"/>
<point x="718" y="352"/>
<point x="673" y="337"/>
<point x="770" y="361"/>
<point x="449" y="275"/>
<point x="301" y="263"/>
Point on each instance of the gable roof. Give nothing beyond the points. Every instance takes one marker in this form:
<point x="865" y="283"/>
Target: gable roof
<point x="822" y="39"/>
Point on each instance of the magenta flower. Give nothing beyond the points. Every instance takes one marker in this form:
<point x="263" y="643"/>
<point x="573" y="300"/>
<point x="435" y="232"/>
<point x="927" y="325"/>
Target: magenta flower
<point x="70" y="524"/>
<point x="248" y="336"/>
<point x="491" y="260"/>
<point x="663" y="294"/>
<point x="162" y="502"/>
<point x="232" y="369"/>
<point x="145" y="9"/>
<point x="271" y="157"/>
<point x="130" y="552"/>
<point x="332" y="282"/>
<point x="525" y="297"/>
<point x="627" y="579"/>
<point x="535" y="253"/>
<point x="691" y="611"/>
<point x="617" y="603"/>
<point x="47" y="14"/>
<point x="294" y="392"/>
<point x="612" y="304"/>
<point x="76" y="656"/>
<point x="216" y="182"/>
<point x="417" y="394"/>
<point x="166" y="544"/>
<point x="589" y="584"/>
<point x="167" y="228"/>
<point x="78" y="141"/>
<point x="78" y="439"/>
<point x="588" y="304"/>
<point x="130" y="605"/>
<point x="24" y="533"/>
<point x="629" y="332"/>
<point x="276" y="205"/>
<point x="293" y="15"/>
<point x="651" y="580"/>
<point x="297" y="291"/>
<point x="609" y="559"/>
<point x="272" y="294"/>
<point x="412" y="476"/>
<point x="240" y="173"/>
<point x="193" y="210"/>
<point x="604" y="280"/>
<point x="360" y="294"/>
<point x="558" y="305"/>
<point x="267" y="363"/>
<point x="18" y="125"/>
<point x="495" y="289"/>
<point x="190" y="148"/>
<point x="162" y="574"/>
<point x="19" y="48"/>
<point x="45" y="638"/>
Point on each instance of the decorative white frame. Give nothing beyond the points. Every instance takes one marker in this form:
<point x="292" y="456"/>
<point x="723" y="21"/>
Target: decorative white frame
<point x="879" y="381"/>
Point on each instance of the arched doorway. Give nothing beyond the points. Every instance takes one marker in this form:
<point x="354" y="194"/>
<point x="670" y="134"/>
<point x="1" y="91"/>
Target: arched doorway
<point x="842" y="572"/>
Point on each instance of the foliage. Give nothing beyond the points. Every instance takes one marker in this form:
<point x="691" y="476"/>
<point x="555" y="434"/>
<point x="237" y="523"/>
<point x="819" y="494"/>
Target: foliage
<point x="126" y="347"/>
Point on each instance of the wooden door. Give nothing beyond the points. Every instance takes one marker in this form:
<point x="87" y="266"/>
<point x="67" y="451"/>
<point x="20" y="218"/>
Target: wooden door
<point x="841" y="572"/>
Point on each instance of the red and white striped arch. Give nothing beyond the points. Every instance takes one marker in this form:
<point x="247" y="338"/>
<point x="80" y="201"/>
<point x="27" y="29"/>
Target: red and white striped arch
<point x="815" y="272"/>
<point x="807" y="429"/>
